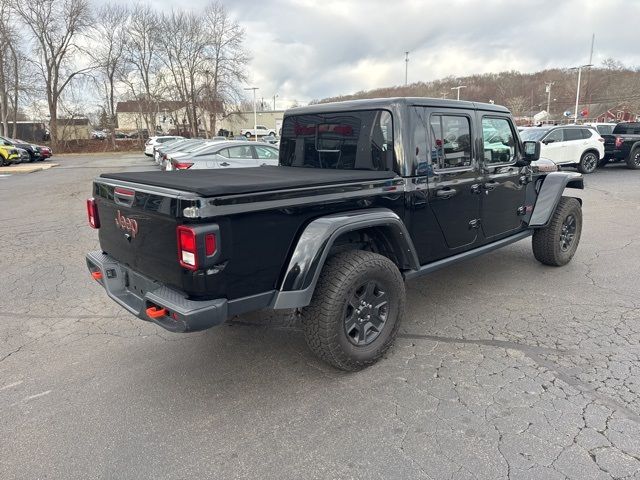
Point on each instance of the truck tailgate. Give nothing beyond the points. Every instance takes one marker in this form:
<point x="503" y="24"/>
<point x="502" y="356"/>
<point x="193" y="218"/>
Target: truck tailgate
<point x="139" y="230"/>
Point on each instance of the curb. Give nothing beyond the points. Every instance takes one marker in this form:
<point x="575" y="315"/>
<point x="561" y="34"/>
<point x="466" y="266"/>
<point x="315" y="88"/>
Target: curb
<point x="22" y="169"/>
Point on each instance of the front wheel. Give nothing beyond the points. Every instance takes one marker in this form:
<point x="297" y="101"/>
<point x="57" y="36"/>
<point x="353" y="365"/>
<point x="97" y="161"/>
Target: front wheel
<point x="633" y="162"/>
<point x="588" y="162"/>
<point x="248" y="134"/>
<point x="356" y="309"/>
<point x="556" y="244"/>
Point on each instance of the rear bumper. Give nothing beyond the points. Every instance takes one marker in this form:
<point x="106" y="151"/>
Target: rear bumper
<point x="144" y="297"/>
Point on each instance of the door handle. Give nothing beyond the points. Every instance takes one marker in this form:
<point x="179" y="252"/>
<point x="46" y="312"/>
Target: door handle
<point x="446" y="193"/>
<point x="225" y="164"/>
<point x="491" y="186"/>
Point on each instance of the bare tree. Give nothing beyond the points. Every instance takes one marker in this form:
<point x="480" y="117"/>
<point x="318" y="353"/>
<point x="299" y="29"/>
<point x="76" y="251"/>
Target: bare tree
<point x="56" y="26"/>
<point x="10" y="71"/>
<point x="142" y="48"/>
<point x="110" y="37"/>
<point x="184" y="43"/>
<point x="227" y="59"/>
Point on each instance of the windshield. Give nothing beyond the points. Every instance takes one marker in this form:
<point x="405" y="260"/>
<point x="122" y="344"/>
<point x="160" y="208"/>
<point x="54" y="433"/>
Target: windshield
<point x="359" y="140"/>
<point x="605" y="129"/>
<point x="534" y="134"/>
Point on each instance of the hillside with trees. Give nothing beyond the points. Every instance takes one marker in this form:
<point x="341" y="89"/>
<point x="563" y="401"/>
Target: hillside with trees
<point x="604" y="87"/>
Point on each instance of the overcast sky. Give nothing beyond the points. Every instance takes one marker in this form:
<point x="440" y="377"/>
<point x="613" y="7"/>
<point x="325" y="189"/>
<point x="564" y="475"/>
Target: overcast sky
<point x="306" y="49"/>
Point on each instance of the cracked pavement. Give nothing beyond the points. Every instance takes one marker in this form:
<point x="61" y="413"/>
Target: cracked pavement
<point x="503" y="369"/>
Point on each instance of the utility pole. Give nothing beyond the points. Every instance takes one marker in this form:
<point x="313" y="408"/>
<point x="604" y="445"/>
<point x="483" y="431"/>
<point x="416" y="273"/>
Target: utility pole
<point x="444" y="95"/>
<point x="458" y="89"/>
<point x="575" y="115"/>
<point x="548" y="90"/>
<point x="275" y="95"/>
<point x="406" y="68"/>
<point x="255" y="113"/>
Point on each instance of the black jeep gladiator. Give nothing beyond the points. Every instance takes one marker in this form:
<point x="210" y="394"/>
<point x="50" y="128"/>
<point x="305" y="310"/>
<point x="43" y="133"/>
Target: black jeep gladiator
<point x="623" y="145"/>
<point x="368" y="194"/>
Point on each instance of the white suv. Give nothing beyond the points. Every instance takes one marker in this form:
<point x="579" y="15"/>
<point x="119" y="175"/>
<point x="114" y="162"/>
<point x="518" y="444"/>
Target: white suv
<point x="575" y="145"/>
<point x="153" y="141"/>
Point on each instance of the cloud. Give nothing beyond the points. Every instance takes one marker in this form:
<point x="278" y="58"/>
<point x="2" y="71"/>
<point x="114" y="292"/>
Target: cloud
<point x="306" y="49"/>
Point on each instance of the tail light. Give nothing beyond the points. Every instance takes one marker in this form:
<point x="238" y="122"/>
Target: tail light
<point x="619" y="142"/>
<point x="197" y="246"/>
<point x="182" y="165"/>
<point x="92" y="213"/>
<point x="187" y="248"/>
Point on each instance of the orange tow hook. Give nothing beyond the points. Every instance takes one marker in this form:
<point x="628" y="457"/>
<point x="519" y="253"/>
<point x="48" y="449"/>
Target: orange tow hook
<point x="155" y="312"/>
<point x="97" y="275"/>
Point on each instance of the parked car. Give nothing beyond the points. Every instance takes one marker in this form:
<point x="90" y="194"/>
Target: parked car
<point x="390" y="190"/>
<point x="571" y="145"/>
<point x="260" y="131"/>
<point x="623" y="145"/>
<point x="239" y="138"/>
<point x="230" y="154"/>
<point x="271" y="139"/>
<point x="219" y="139"/>
<point x="8" y="154"/>
<point x="602" y="128"/>
<point x="98" y="135"/>
<point x="153" y="141"/>
<point x="24" y="156"/>
<point x="166" y="145"/>
<point x="176" y="147"/>
<point x="45" y="152"/>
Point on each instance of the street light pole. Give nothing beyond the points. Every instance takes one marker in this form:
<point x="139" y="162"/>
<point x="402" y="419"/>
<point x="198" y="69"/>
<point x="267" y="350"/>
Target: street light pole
<point x="548" y="88"/>
<point x="458" y="89"/>
<point x="406" y="67"/>
<point x="255" y="113"/>
<point x="575" y="114"/>
<point x="274" y="101"/>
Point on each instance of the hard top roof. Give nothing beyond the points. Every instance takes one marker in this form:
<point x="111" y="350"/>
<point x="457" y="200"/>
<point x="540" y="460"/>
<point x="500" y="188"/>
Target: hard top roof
<point x="375" y="103"/>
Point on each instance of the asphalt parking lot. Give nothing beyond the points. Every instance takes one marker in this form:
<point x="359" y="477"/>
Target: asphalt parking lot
<point x="504" y="368"/>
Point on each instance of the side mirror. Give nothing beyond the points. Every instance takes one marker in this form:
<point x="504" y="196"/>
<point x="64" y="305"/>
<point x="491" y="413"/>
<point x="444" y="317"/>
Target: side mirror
<point x="531" y="151"/>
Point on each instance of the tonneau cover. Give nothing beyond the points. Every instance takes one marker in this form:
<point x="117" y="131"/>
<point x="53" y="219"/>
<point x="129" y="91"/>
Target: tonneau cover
<point x="215" y="182"/>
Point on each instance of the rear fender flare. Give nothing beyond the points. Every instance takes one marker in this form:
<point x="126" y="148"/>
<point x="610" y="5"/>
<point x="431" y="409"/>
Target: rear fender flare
<point x="315" y="242"/>
<point x="550" y="193"/>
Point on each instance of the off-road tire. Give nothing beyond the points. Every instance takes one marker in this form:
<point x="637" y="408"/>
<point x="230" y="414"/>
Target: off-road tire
<point x="324" y="319"/>
<point x="588" y="162"/>
<point x="633" y="162"/>
<point x="547" y="241"/>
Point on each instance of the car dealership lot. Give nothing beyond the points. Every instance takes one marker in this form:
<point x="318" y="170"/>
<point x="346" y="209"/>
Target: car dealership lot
<point x="504" y="368"/>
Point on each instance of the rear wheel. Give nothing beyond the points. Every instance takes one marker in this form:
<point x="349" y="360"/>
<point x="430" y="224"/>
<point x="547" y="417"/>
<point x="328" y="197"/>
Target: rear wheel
<point x="557" y="243"/>
<point x="248" y="134"/>
<point x="588" y="162"/>
<point x="633" y="161"/>
<point x="356" y="309"/>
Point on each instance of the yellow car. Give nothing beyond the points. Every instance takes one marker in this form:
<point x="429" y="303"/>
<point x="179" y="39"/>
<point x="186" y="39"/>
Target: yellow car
<point x="8" y="154"/>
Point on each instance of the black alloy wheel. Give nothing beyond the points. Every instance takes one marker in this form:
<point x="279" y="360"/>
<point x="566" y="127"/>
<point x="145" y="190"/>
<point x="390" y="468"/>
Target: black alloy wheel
<point x="567" y="233"/>
<point x="588" y="162"/>
<point x="366" y="313"/>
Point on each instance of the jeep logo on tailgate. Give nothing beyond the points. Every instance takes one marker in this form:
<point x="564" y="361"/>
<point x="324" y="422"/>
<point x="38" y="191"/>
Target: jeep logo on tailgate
<point x="127" y="224"/>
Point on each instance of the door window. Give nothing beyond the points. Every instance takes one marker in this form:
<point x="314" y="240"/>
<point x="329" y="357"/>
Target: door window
<point x="499" y="141"/>
<point x="450" y="141"/>
<point x="266" y="153"/>
<point x="586" y="133"/>
<point x="554" y="136"/>
<point x="572" y="134"/>
<point x="242" y="152"/>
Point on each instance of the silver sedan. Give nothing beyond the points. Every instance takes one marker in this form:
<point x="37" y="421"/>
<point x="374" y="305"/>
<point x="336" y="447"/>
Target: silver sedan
<point x="232" y="154"/>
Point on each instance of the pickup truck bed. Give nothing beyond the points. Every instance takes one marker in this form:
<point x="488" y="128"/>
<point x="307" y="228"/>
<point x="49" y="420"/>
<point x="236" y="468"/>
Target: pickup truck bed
<point x="216" y="182"/>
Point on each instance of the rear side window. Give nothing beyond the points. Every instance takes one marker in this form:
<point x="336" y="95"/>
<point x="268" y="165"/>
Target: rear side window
<point x="266" y="153"/>
<point x="240" y="152"/>
<point x="450" y="141"/>
<point x="572" y="134"/>
<point x="359" y="140"/>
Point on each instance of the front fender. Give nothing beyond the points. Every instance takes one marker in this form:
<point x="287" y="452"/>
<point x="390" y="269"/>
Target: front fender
<point x="550" y="193"/>
<point x="313" y="246"/>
